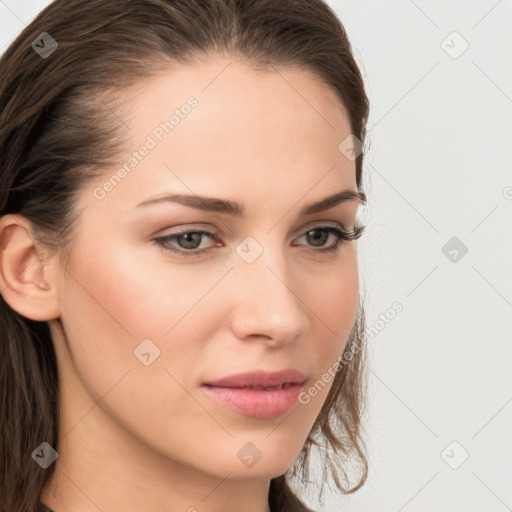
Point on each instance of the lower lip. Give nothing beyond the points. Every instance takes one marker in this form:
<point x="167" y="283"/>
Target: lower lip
<point x="258" y="403"/>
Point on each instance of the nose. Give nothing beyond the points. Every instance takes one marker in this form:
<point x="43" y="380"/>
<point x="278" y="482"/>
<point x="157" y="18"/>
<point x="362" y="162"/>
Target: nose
<point x="267" y="304"/>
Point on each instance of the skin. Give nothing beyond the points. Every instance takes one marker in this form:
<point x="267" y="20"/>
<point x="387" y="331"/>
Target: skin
<point x="146" y="438"/>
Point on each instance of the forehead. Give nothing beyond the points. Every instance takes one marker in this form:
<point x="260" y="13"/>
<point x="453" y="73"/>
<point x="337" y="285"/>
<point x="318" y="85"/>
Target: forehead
<point x="241" y="101"/>
<point x="223" y="125"/>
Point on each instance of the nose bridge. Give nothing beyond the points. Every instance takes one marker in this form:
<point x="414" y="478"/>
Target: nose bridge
<point x="267" y="304"/>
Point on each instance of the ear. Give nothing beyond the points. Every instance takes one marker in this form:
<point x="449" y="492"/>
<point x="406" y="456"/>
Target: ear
<point x="27" y="280"/>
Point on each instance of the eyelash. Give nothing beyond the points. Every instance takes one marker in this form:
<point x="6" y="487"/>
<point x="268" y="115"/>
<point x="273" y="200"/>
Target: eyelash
<point x="341" y="235"/>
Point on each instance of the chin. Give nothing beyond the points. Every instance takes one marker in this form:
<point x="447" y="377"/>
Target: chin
<point x="274" y="462"/>
<point x="263" y="471"/>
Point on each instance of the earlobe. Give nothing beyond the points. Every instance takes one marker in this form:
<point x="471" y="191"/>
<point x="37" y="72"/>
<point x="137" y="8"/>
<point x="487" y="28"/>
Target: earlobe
<point x="27" y="281"/>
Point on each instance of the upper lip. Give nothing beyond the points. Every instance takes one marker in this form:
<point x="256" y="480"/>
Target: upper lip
<point x="259" y="378"/>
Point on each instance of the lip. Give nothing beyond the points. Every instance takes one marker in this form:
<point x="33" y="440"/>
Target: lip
<point x="258" y="403"/>
<point x="259" y="378"/>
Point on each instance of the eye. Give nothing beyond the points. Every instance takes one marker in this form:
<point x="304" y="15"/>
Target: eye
<point x="318" y="235"/>
<point x="189" y="242"/>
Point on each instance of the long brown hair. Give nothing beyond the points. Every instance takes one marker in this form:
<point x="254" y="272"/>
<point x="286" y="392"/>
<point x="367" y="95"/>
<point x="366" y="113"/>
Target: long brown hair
<point x="59" y="129"/>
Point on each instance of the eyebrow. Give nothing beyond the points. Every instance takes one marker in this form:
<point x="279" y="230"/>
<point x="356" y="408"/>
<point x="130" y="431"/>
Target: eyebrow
<point x="217" y="205"/>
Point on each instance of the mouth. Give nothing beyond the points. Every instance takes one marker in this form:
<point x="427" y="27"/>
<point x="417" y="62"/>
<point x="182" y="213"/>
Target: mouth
<point x="258" y="394"/>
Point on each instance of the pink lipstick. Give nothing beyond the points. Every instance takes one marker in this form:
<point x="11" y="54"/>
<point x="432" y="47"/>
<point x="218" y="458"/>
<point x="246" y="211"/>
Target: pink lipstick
<point x="260" y="394"/>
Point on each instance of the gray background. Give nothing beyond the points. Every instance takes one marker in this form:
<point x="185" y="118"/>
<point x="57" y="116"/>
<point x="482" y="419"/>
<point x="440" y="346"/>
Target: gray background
<point x="438" y="167"/>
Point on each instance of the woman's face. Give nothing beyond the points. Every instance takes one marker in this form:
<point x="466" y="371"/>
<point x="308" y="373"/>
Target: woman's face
<point x="142" y="329"/>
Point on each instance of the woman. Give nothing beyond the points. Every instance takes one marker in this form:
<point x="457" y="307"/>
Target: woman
<point x="180" y="307"/>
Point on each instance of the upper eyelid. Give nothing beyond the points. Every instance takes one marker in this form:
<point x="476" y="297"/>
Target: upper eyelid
<point x="216" y="232"/>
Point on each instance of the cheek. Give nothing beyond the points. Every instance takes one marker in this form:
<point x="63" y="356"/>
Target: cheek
<point x="335" y="308"/>
<point x="107" y="310"/>
<point x="334" y="305"/>
<point x="119" y="297"/>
